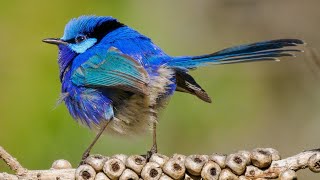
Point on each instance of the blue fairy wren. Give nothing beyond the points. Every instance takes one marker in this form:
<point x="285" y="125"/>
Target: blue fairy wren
<point x="115" y="80"/>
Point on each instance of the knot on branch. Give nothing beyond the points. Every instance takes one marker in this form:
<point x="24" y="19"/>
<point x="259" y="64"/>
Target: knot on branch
<point x="260" y="163"/>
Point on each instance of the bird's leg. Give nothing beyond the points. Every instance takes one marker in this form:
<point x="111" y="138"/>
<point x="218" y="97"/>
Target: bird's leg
<point x="87" y="151"/>
<point x="154" y="148"/>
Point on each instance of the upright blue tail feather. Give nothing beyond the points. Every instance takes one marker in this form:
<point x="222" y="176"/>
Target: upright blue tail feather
<point x="266" y="50"/>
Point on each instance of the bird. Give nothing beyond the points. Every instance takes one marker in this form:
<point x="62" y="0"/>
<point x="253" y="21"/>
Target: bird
<point x="116" y="80"/>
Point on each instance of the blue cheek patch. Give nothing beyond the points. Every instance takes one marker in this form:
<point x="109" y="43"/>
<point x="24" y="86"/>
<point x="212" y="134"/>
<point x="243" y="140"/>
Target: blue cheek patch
<point x="83" y="46"/>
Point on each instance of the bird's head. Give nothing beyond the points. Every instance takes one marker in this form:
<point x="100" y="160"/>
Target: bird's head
<point x="80" y="34"/>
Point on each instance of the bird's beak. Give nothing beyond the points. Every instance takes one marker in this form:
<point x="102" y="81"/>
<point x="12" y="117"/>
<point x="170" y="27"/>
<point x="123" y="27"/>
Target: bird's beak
<point x="55" y="41"/>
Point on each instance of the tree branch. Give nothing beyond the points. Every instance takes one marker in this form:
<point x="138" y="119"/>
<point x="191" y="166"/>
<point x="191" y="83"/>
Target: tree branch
<point x="262" y="163"/>
<point x="12" y="162"/>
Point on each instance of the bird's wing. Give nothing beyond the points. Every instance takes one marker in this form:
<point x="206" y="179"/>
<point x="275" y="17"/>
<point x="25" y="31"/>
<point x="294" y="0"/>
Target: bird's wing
<point x="112" y="69"/>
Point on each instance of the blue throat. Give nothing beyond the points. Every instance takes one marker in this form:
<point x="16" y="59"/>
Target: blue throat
<point x="66" y="56"/>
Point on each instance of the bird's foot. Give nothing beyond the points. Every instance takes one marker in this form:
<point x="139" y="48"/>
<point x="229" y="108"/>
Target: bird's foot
<point x="152" y="151"/>
<point x="84" y="157"/>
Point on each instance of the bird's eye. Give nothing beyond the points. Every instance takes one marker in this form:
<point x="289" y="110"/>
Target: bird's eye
<point x="79" y="39"/>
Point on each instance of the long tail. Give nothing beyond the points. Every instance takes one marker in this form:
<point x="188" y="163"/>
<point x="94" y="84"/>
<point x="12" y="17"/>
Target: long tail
<point x="261" y="51"/>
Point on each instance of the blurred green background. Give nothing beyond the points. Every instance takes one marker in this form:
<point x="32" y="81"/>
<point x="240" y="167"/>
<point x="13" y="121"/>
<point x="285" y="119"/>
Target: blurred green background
<point x="267" y="104"/>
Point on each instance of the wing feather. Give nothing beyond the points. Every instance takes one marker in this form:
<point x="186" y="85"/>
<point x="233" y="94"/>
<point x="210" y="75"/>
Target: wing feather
<point x="113" y="69"/>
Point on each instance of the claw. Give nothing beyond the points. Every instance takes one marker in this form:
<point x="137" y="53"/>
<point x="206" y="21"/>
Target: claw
<point x="84" y="157"/>
<point x="152" y="151"/>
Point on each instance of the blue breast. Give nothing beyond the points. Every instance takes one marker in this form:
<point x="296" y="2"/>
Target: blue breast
<point x="88" y="105"/>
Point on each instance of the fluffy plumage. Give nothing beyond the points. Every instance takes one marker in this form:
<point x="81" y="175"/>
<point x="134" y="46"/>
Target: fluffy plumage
<point x="110" y="72"/>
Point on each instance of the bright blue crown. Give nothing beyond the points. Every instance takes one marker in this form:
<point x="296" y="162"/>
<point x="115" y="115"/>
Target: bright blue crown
<point x="83" y="25"/>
